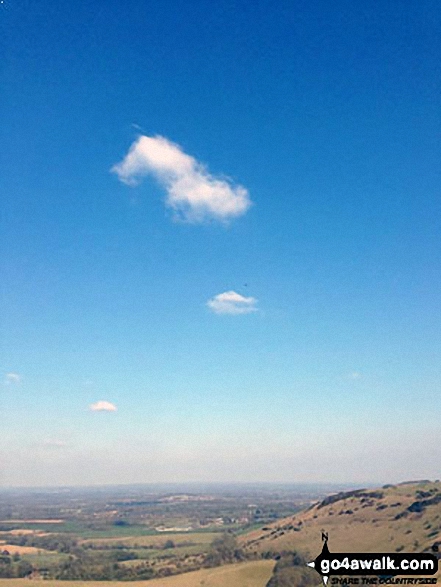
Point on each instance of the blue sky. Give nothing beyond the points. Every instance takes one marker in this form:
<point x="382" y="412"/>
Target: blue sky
<point x="298" y="179"/>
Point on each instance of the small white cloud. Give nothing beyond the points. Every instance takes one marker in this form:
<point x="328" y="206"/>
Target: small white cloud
<point x="54" y="443"/>
<point x="102" y="406"/>
<point x="11" y="378"/>
<point x="230" y="302"/>
<point x="193" y="193"/>
<point x="354" y="376"/>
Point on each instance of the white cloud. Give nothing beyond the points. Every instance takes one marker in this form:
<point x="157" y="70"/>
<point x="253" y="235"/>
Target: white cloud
<point x="193" y="193"/>
<point x="12" y="378"/>
<point x="102" y="406"/>
<point x="230" y="302"/>
<point x="354" y="376"/>
<point x="54" y="443"/>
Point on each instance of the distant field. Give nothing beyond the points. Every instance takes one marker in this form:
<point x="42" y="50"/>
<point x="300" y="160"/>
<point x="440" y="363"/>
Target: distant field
<point x="32" y="521"/>
<point x="250" y="574"/>
<point x="45" y="558"/>
<point x="77" y="528"/>
<point x="154" y="539"/>
<point x="21" y="532"/>
<point x="44" y="526"/>
<point x="13" y="549"/>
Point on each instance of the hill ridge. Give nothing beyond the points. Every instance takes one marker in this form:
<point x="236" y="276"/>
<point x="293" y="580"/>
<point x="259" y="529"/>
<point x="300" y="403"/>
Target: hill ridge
<point x="394" y="518"/>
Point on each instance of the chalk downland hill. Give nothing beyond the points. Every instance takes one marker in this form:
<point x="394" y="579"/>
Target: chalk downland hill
<point x="394" y="518"/>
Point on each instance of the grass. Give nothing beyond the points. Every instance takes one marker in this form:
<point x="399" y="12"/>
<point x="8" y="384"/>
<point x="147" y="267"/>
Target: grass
<point x="78" y="529"/>
<point x="249" y="574"/>
<point x="355" y="525"/>
<point x="83" y="532"/>
<point x="42" y="526"/>
<point x="151" y="547"/>
<point x="14" y="549"/>
<point x="154" y="539"/>
<point x="32" y="521"/>
<point x="45" y="558"/>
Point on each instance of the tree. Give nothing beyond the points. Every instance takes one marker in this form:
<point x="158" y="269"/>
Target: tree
<point x="291" y="570"/>
<point x="24" y="568"/>
<point x="224" y="549"/>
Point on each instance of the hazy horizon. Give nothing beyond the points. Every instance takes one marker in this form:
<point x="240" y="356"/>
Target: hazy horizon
<point x="183" y="487"/>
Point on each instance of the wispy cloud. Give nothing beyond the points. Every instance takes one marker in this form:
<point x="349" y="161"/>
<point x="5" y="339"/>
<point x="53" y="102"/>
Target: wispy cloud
<point x="102" y="406"/>
<point x="231" y="302"/>
<point x="193" y="193"/>
<point x="12" y="378"/>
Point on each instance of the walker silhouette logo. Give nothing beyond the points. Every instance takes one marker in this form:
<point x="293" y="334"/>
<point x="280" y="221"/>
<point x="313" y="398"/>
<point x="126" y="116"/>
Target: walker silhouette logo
<point x="383" y="565"/>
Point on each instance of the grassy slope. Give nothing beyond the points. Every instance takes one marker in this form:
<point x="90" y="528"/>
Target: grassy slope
<point x="249" y="574"/>
<point x="370" y="527"/>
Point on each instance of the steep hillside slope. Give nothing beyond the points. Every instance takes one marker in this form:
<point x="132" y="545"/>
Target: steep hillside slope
<point x="395" y="518"/>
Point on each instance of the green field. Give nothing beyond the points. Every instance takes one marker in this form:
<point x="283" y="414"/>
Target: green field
<point x="249" y="574"/>
<point x="84" y="532"/>
<point x="156" y="539"/>
<point x="150" y="547"/>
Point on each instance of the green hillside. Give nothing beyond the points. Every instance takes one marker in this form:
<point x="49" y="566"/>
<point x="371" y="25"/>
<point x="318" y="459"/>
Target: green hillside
<point x="394" y="518"/>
